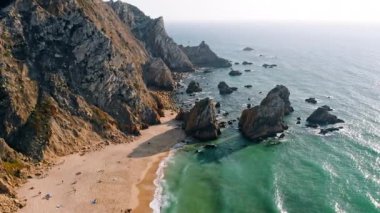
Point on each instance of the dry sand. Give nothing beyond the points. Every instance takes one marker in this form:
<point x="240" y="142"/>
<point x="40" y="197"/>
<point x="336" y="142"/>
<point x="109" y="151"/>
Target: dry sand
<point x="118" y="177"/>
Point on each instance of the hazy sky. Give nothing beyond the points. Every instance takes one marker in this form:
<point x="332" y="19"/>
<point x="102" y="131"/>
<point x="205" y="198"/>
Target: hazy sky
<point x="271" y="10"/>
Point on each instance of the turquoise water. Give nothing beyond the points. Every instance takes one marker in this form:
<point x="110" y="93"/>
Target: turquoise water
<point x="339" y="172"/>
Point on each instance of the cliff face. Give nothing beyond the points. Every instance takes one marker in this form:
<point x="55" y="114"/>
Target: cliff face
<point x="68" y="68"/>
<point x="154" y="36"/>
<point x="203" y="56"/>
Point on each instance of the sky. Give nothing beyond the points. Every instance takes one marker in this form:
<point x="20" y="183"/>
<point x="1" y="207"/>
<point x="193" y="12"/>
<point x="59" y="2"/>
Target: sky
<point x="346" y="11"/>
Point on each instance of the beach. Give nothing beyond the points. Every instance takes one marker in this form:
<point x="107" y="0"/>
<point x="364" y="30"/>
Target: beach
<point x="115" y="179"/>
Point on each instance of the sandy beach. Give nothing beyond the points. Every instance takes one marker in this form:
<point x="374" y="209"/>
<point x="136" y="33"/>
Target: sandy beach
<point x="114" y="179"/>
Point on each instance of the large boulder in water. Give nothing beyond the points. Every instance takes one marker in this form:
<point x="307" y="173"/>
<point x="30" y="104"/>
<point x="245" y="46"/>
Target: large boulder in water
<point x="203" y="56"/>
<point x="224" y="89"/>
<point x="266" y="119"/>
<point x="201" y="121"/>
<point x="157" y="74"/>
<point x="322" y="116"/>
<point x="235" y="73"/>
<point x="193" y="87"/>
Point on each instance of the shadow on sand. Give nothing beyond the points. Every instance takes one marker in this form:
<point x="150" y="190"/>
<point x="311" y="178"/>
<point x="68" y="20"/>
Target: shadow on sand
<point x="159" y="143"/>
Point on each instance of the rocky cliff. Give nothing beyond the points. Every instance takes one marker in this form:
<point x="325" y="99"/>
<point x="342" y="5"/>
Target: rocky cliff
<point x="66" y="64"/>
<point x="73" y="77"/>
<point x="203" y="56"/>
<point x="153" y="35"/>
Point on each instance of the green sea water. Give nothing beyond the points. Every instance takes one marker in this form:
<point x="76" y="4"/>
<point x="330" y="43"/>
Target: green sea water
<point x="307" y="172"/>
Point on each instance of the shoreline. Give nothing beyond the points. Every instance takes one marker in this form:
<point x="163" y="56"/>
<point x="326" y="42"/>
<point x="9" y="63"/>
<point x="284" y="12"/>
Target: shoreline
<point x="95" y="182"/>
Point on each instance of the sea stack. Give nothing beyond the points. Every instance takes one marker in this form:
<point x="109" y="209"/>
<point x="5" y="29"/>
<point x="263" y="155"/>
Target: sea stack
<point x="224" y="89"/>
<point x="203" y="56"/>
<point x="322" y="116"/>
<point x="201" y="122"/>
<point x="266" y="119"/>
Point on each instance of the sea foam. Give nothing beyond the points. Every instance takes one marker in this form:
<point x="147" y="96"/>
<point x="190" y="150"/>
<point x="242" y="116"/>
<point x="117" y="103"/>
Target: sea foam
<point x="160" y="199"/>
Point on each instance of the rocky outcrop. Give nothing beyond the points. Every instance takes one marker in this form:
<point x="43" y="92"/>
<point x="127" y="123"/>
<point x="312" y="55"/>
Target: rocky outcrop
<point x="266" y="119"/>
<point x="235" y="73"/>
<point x="269" y="66"/>
<point x="322" y="116"/>
<point x="203" y="56"/>
<point x="224" y="89"/>
<point x="311" y="100"/>
<point x="201" y="122"/>
<point x="329" y="130"/>
<point x="193" y="87"/>
<point x="248" y="49"/>
<point x="158" y="75"/>
<point x="153" y="35"/>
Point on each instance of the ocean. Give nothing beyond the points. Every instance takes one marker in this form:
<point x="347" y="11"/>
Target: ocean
<point x="339" y="65"/>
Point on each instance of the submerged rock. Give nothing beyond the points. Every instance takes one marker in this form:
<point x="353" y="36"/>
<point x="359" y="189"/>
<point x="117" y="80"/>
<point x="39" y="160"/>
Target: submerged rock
<point x="266" y="119"/>
<point x="247" y="63"/>
<point x="248" y="49"/>
<point x="210" y="146"/>
<point x="269" y="66"/>
<point x="328" y="130"/>
<point x="201" y="121"/>
<point x="321" y="116"/>
<point x="193" y="87"/>
<point x="311" y="100"/>
<point x="248" y="86"/>
<point x="235" y="73"/>
<point x="203" y="56"/>
<point x="157" y="74"/>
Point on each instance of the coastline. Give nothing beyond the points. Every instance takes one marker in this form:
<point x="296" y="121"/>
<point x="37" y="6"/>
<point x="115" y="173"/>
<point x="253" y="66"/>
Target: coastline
<point x="94" y="182"/>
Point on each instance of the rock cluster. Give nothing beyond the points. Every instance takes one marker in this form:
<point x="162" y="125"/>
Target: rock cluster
<point x="203" y="56"/>
<point x="246" y="63"/>
<point x="266" y="119"/>
<point x="193" y="87"/>
<point x="269" y="66"/>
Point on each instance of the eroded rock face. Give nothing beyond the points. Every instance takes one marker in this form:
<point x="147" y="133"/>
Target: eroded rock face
<point x="158" y="75"/>
<point x="322" y="116"/>
<point x="203" y="56"/>
<point x="266" y="120"/>
<point x="153" y="35"/>
<point x="201" y="121"/>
